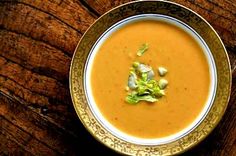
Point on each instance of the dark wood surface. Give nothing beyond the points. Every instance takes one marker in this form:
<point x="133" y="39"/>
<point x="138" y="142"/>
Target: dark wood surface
<point x="37" y="41"/>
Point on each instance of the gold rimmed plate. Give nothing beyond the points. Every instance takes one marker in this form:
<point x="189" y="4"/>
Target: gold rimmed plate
<point x="160" y="10"/>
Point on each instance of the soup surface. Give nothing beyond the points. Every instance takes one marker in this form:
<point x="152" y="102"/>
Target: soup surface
<point x="169" y="47"/>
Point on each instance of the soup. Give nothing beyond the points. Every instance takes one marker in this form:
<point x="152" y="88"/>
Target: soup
<point x="170" y="47"/>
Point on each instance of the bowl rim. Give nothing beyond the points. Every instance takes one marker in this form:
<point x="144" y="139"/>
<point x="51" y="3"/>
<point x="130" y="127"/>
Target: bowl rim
<point x="92" y="102"/>
<point x="72" y="76"/>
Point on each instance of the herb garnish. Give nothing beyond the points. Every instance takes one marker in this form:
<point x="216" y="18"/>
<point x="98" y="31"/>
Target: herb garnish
<point x="144" y="47"/>
<point x="142" y="85"/>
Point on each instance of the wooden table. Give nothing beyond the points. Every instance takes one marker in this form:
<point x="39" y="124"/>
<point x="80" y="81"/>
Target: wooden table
<point x="37" y="41"/>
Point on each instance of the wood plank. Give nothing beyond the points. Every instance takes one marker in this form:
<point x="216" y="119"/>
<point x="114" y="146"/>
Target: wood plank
<point x="38" y="85"/>
<point x="25" y="141"/>
<point x="38" y="25"/>
<point x="34" y="125"/>
<point x="70" y="12"/>
<point x="34" y="55"/>
<point x="44" y="95"/>
<point x="28" y="123"/>
<point x="102" y="6"/>
<point x="10" y="147"/>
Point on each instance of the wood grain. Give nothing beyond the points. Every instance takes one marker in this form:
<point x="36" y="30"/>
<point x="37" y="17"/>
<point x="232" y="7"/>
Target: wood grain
<point x="38" y="39"/>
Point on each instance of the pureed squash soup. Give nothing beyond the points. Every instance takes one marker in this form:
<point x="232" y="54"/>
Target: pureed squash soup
<point x="169" y="46"/>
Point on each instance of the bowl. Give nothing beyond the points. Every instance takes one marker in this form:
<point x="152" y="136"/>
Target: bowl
<point x="181" y="17"/>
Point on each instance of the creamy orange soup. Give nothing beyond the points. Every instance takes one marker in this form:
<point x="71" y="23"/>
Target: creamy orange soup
<point x="170" y="47"/>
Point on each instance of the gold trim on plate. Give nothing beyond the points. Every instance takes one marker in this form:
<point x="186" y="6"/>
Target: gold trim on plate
<point x="192" y="19"/>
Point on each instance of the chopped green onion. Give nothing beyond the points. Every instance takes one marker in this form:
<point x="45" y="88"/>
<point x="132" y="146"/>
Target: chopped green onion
<point x="142" y="49"/>
<point x="142" y="85"/>
<point x="136" y="64"/>
<point x="133" y="98"/>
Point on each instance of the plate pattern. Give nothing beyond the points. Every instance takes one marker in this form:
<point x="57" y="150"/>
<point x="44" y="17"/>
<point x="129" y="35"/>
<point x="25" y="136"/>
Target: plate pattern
<point x="154" y="7"/>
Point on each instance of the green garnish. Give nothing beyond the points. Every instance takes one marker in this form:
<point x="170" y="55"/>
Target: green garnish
<point x="142" y="49"/>
<point x="136" y="64"/>
<point x="134" y="98"/>
<point x="142" y="85"/>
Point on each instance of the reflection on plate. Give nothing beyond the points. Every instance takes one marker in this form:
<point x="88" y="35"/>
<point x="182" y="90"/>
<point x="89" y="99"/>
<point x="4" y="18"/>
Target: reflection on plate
<point x="190" y="22"/>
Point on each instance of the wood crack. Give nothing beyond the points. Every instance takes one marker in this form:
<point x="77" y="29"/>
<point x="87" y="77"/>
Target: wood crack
<point x="56" y="102"/>
<point x="13" y="97"/>
<point x="17" y="2"/>
<point x="90" y="9"/>
<point x="8" y="60"/>
<point x="213" y="12"/>
<point x="47" y="120"/>
<point x="15" y="150"/>
<point x="230" y="2"/>
<point x="43" y="41"/>
<point x="214" y="3"/>
<point x="15" y="140"/>
<point x="31" y="136"/>
<point x="33" y="92"/>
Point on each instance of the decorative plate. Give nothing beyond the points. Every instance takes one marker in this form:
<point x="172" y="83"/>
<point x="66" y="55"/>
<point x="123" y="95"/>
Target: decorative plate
<point x="160" y="8"/>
